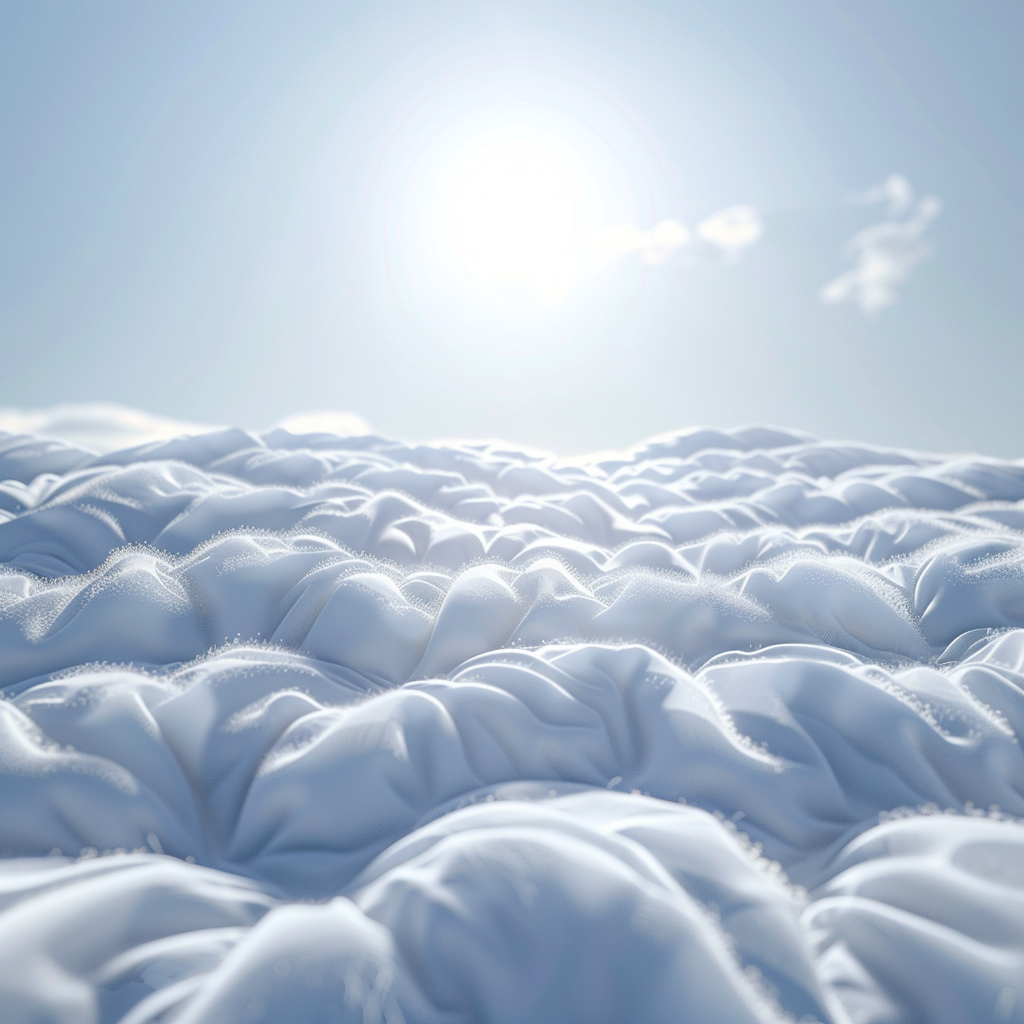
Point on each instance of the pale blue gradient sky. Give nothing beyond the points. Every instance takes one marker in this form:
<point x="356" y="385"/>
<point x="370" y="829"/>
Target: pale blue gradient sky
<point x="209" y="210"/>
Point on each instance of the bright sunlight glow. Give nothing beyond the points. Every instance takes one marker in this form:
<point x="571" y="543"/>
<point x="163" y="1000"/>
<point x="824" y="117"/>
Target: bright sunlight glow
<point x="516" y="216"/>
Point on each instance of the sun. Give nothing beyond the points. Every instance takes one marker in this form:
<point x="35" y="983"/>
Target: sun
<point x="516" y="217"/>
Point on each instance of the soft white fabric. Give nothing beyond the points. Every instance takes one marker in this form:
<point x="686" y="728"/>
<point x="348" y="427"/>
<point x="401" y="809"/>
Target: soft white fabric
<point x="315" y="728"/>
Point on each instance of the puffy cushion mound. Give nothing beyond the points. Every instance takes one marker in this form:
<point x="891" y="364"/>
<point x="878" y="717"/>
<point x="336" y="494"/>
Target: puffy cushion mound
<point x="724" y="728"/>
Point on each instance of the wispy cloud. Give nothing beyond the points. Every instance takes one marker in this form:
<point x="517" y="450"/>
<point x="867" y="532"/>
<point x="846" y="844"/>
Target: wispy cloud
<point x="884" y="254"/>
<point x="895" y="191"/>
<point x="730" y="230"/>
<point x="655" y="246"/>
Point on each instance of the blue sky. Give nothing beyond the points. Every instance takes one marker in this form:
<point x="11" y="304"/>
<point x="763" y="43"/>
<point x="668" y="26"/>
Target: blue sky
<point x="229" y="212"/>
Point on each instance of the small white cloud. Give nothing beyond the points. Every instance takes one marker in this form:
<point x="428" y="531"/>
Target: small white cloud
<point x="655" y="246"/>
<point x="884" y="254"/>
<point x="732" y="230"/>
